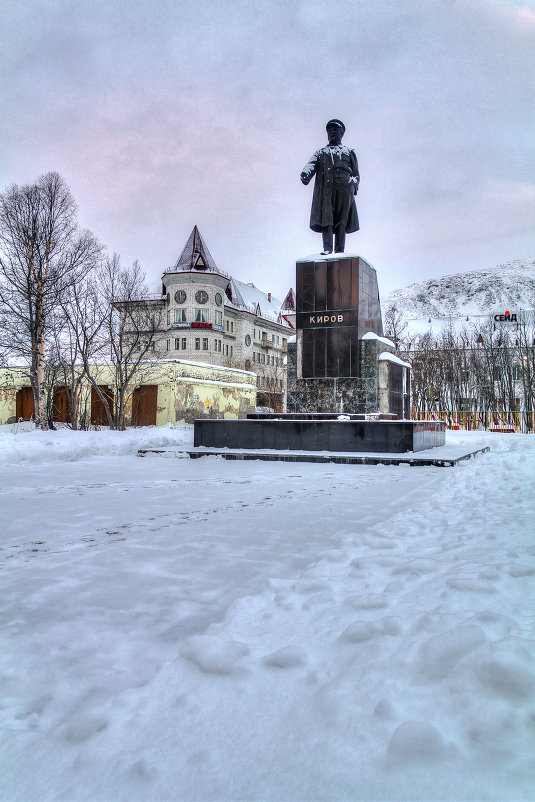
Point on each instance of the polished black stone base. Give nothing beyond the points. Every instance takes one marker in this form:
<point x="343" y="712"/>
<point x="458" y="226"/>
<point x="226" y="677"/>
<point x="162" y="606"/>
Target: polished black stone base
<point x="315" y="416"/>
<point x="390" y="437"/>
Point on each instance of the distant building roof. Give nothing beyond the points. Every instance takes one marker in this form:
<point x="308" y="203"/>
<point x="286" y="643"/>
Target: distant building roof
<point x="249" y="297"/>
<point x="195" y="256"/>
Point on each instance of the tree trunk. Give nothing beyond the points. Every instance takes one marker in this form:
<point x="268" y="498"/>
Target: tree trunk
<point x="41" y="419"/>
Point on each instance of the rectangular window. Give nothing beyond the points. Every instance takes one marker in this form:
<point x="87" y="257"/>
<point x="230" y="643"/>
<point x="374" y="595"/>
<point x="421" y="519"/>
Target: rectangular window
<point x="227" y="325"/>
<point x="263" y="359"/>
<point x="278" y="339"/>
<point x="218" y="317"/>
<point x="197" y="343"/>
<point x="183" y="343"/>
<point x="168" y="345"/>
<point x="231" y="350"/>
<point x="180" y="315"/>
<point x="272" y="338"/>
<point x="201" y="316"/>
<point x="168" y="317"/>
<point x="205" y="343"/>
<point x="177" y="343"/>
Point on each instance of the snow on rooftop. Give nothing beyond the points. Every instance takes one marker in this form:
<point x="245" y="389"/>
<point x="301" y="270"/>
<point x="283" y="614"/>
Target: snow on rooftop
<point x="255" y="300"/>
<point x="210" y="365"/>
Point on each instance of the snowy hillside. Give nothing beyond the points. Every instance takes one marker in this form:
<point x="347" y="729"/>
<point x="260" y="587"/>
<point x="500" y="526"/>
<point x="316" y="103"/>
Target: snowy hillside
<point x="478" y="292"/>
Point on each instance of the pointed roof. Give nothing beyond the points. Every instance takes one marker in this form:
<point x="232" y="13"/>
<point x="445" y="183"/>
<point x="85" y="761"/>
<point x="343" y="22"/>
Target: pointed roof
<point x="195" y="255"/>
<point x="288" y="305"/>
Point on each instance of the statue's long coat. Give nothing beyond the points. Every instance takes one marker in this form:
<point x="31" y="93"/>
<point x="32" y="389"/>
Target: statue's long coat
<point x="321" y="165"/>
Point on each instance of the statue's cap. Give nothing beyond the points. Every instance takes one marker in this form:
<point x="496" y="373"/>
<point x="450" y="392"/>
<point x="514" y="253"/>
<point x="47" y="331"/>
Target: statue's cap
<point x="337" y="122"/>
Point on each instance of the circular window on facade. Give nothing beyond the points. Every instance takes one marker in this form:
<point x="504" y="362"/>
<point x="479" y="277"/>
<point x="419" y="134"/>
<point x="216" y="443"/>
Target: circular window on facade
<point x="247" y="339"/>
<point x="180" y="296"/>
<point x="201" y="296"/>
<point x="218" y="298"/>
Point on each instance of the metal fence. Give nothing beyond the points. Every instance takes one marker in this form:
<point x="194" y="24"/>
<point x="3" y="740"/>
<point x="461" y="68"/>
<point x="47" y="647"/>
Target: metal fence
<point x="522" y="422"/>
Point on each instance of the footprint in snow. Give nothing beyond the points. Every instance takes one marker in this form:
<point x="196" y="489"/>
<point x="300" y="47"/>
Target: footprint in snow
<point x="379" y="542"/>
<point x="361" y="631"/>
<point x="81" y="728"/>
<point x="518" y="571"/>
<point x="417" y="742"/>
<point x="471" y="585"/>
<point x="213" y="655"/>
<point x="373" y="601"/>
<point x="441" y="653"/>
<point x="287" y="657"/>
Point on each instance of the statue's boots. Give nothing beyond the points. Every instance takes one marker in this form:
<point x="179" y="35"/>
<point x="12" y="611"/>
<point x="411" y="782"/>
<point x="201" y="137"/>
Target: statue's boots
<point x="327" y="235"/>
<point x="340" y="238"/>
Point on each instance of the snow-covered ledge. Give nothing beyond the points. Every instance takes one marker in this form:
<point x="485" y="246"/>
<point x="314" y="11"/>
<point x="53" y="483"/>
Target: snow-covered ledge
<point x="372" y="336"/>
<point x="387" y="357"/>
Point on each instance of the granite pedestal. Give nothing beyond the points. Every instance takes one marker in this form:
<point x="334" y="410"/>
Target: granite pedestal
<point x="390" y="437"/>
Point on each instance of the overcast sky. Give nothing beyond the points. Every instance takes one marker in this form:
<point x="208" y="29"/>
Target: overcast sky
<point x="163" y="114"/>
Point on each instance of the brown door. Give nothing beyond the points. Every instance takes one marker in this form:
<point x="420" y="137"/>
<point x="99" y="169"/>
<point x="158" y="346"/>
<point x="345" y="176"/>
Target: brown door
<point x="144" y="402"/>
<point x="25" y="405"/>
<point x="98" y="411"/>
<point x="60" y="406"/>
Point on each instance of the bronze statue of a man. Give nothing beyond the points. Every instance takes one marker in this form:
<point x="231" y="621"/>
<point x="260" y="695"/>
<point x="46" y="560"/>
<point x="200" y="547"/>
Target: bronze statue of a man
<point x="337" y="180"/>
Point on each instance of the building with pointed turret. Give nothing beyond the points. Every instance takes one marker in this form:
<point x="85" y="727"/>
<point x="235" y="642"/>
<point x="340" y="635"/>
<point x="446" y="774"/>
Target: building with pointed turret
<point x="212" y="317"/>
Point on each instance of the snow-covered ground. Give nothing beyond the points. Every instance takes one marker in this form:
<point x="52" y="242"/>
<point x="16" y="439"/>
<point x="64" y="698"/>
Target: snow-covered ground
<point x="178" y="629"/>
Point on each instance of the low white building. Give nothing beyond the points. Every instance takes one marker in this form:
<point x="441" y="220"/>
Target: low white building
<point x="214" y="318"/>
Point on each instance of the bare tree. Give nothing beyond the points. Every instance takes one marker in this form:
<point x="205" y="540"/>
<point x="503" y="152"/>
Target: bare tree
<point x="85" y="313"/>
<point x="271" y="386"/>
<point x="485" y="368"/>
<point x="42" y="253"/>
<point x="124" y="337"/>
<point x="526" y="359"/>
<point x="395" y="325"/>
